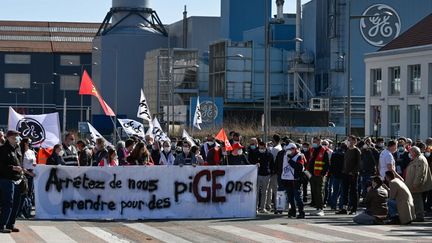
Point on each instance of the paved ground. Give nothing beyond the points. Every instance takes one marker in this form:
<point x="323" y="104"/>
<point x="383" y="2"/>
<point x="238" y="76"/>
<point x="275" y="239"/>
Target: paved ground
<point x="264" y="228"/>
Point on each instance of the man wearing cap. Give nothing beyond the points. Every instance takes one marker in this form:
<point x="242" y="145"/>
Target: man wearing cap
<point x="290" y="169"/>
<point x="10" y="177"/>
<point x="237" y="157"/>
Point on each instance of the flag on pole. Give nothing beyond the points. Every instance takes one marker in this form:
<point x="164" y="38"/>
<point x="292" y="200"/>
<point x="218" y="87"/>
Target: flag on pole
<point x="197" y="117"/>
<point x="221" y="136"/>
<point x="88" y="88"/>
<point x="132" y="127"/>
<point x="94" y="134"/>
<point x="143" y="108"/>
<point x="43" y="130"/>
<point x="188" y="138"/>
<point x="157" y="132"/>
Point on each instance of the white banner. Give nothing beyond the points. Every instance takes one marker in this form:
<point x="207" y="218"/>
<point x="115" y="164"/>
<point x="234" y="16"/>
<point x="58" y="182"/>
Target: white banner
<point x="43" y="130"/>
<point x="132" y="127"/>
<point x="185" y="135"/>
<point x="145" y="192"/>
<point x="156" y="131"/>
<point x="143" y="108"/>
<point x="197" y="117"/>
<point x="94" y="134"/>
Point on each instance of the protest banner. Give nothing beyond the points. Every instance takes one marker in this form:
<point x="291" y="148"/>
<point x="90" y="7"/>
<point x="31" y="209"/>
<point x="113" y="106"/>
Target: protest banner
<point x="132" y="127"/>
<point x="145" y="192"/>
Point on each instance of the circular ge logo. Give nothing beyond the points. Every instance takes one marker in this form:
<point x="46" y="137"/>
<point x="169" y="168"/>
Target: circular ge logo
<point x="209" y="111"/>
<point x="32" y="129"/>
<point x="380" y="29"/>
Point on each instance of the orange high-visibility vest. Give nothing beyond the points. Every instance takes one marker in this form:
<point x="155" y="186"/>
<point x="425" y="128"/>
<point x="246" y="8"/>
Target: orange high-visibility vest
<point x="43" y="155"/>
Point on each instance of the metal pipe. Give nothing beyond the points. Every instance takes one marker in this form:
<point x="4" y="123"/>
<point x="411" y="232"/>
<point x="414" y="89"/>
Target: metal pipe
<point x="267" y="73"/>
<point x="348" y="108"/>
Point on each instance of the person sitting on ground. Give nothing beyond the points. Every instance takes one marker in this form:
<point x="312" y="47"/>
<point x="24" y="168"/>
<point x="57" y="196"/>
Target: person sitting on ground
<point x="376" y="204"/>
<point x="56" y="158"/>
<point x="111" y="160"/>
<point x="186" y="157"/>
<point x="400" y="204"/>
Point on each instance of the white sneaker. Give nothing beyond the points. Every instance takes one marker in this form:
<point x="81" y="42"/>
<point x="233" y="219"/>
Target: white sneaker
<point x="320" y="213"/>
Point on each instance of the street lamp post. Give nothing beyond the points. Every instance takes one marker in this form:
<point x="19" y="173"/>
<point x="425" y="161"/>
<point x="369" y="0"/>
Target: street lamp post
<point x="43" y="92"/>
<point x="349" y="78"/>
<point x="16" y="97"/>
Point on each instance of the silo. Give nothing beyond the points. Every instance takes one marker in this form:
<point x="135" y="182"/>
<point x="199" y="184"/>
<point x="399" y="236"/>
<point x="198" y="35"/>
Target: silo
<point x="129" y="30"/>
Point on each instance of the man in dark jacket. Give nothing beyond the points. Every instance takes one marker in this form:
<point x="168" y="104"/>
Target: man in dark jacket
<point x="10" y="177"/>
<point x="376" y="204"/>
<point x="369" y="164"/>
<point x="70" y="155"/>
<point x="264" y="160"/>
<point x="351" y="168"/>
<point x="290" y="170"/>
<point x="236" y="157"/>
<point x="335" y="172"/>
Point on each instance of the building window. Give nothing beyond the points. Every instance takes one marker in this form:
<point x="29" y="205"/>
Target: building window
<point x="394" y="115"/>
<point x="70" y="60"/>
<point x="376" y="120"/>
<point x="376" y="79"/>
<point x="395" y="81"/>
<point x="17" y="59"/>
<point x="17" y="80"/>
<point x="414" y="121"/>
<point x="69" y="82"/>
<point x="247" y="90"/>
<point x="414" y="72"/>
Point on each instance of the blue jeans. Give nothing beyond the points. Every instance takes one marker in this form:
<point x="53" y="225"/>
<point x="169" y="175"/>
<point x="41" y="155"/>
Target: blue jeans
<point x="10" y="202"/>
<point x="362" y="188"/>
<point x="336" y="184"/>
<point x="294" y="195"/>
<point x="392" y="208"/>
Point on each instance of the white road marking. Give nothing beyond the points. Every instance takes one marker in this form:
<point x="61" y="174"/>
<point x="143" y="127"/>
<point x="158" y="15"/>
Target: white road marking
<point x="156" y="233"/>
<point x="51" y="234"/>
<point x="104" y="235"/>
<point x="304" y="233"/>
<point x="247" y="233"/>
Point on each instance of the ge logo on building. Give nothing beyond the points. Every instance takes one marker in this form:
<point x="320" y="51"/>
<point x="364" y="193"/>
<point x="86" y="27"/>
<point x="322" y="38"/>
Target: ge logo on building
<point x="383" y="27"/>
<point x="209" y="111"/>
<point x="32" y="129"/>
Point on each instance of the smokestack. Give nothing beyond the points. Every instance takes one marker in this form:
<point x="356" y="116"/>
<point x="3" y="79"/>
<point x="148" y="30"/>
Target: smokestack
<point x="298" y="27"/>
<point x="280" y="4"/>
<point x="185" y="28"/>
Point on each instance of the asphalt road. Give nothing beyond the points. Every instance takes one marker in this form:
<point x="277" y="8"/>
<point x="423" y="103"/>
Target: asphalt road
<point x="263" y="228"/>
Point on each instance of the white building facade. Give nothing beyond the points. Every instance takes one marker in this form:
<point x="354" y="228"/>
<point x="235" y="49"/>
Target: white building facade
<point x="399" y="92"/>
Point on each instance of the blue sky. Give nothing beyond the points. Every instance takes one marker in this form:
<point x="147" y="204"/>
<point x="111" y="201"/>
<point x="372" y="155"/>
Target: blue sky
<point x="95" y="10"/>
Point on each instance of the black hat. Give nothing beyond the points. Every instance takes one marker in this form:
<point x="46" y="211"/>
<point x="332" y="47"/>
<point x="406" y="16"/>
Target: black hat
<point x="12" y="133"/>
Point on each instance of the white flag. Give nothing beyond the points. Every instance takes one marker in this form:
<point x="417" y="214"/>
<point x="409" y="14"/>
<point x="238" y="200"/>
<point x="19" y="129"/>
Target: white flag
<point x="94" y="134"/>
<point x="43" y="130"/>
<point x="197" y="117"/>
<point x="188" y="138"/>
<point x="132" y="127"/>
<point x="143" y="108"/>
<point x="157" y="132"/>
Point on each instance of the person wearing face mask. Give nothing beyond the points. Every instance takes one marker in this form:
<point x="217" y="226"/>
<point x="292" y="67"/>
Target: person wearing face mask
<point x="351" y="169"/>
<point x="368" y="166"/>
<point x="100" y="151"/>
<point x="111" y="160"/>
<point x="166" y="155"/>
<point x="186" y="157"/>
<point x="199" y="159"/>
<point x="70" y="155"/>
<point x="264" y="160"/>
<point x="401" y="157"/>
<point x="215" y="155"/>
<point x="327" y="186"/>
<point x="418" y="180"/>
<point x="56" y="158"/>
<point x="273" y="183"/>
<point x="428" y="195"/>
<point x="123" y="153"/>
<point x="149" y="142"/>
<point x="376" y="204"/>
<point x="379" y="145"/>
<point x="252" y="151"/>
<point x="336" y="175"/>
<point x="10" y="178"/>
<point x="318" y="167"/>
<point x="209" y="144"/>
<point x="155" y="152"/>
<point x="305" y="150"/>
<point x="236" y="157"/>
<point x="290" y="168"/>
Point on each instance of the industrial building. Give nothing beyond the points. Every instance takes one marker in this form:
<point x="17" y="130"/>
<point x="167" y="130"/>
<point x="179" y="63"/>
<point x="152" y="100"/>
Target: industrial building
<point x="399" y="85"/>
<point x="40" y="68"/>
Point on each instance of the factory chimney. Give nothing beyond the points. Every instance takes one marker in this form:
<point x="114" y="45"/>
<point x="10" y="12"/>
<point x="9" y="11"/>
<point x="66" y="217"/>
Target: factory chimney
<point x="185" y="28"/>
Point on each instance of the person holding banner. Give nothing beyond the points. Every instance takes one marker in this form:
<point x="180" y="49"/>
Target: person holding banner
<point x="124" y="152"/>
<point x="70" y="155"/>
<point x="140" y="155"/>
<point x="209" y="144"/>
<point x="196" y="151"/>
<point x="10" y="178"/>
<point x="185" y="157"/>
<point x="236" y="157"/>
<point x="56" y="158"/>
<point x="214" y="155"/>
<point x="100" y="151"/>
<point x="84" y="154"/>
<point x="166" y="155"/>
<point x="111" y="160"/>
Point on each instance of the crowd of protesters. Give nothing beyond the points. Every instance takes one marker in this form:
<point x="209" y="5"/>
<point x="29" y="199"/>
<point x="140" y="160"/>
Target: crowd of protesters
<point x="392" y="181"/>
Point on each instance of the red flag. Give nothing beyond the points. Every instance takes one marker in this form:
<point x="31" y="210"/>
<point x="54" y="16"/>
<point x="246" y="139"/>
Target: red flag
<point x="87" y="88"/>
<point x="221" y="136"/>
